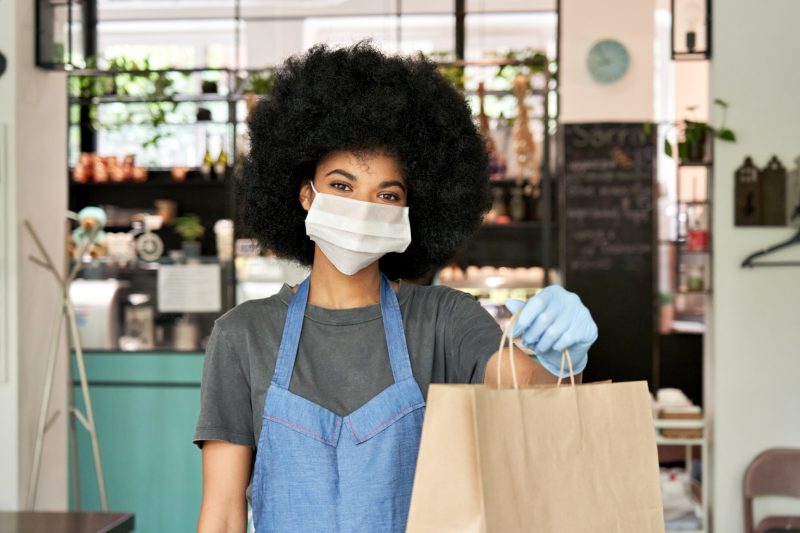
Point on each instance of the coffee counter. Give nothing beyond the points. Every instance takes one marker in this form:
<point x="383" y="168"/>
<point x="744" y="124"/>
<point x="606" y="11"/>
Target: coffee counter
<point x="146" y="405"/>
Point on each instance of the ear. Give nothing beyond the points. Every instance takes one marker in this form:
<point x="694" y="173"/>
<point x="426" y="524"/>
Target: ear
<point x="306" y="195"/>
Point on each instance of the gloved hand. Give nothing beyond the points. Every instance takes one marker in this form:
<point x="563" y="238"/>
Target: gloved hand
<point x="552" y="320"/>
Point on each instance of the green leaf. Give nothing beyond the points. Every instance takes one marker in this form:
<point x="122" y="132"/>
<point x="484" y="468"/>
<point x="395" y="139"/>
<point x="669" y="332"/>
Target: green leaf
<point x="683" y="151"/>
<point x="726" y="135"/>
<point x="720" y="102"/>
<point x="667" y="148"/>
<point x="648" y="128"/>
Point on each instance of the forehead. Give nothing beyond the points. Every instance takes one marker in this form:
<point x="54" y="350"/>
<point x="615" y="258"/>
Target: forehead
<point x="371" y="163"/>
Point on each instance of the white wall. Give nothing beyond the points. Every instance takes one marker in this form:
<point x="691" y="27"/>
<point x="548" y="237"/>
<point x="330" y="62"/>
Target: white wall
<point x="756" y="330"/>
<point x="583" y="22"/>
<point x="33" y="105"/>
<point x="9" y="450"/>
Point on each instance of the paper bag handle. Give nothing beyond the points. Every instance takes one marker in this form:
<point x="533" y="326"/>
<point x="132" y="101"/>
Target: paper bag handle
<point x="507" y="339"/>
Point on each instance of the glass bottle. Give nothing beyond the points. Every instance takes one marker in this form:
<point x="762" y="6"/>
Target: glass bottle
<point x="498" y="212"/>
<point x="208" y="162"/>
<point x="221" y="166"/>
<point x="517" y="205"/>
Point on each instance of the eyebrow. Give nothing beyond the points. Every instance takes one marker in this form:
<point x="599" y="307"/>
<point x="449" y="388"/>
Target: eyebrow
<point x="394" y="183"/>
<point x="343" y="173"/>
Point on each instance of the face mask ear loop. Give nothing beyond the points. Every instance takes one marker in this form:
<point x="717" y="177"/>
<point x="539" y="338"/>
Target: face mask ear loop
<point x="316" y="192"/>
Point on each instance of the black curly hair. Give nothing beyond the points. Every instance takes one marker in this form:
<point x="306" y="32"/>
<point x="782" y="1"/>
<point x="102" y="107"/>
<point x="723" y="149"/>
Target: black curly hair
<point x="359" y="100"/>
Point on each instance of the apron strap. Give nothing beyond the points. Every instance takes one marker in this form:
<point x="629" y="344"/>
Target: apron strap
<point x="290" y="340"/>
<point x="395" y="333"/>
<point x="392" y="326"/>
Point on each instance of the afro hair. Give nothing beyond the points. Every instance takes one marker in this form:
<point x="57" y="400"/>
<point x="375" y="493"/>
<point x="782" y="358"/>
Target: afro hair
<point x="358" y="99"/>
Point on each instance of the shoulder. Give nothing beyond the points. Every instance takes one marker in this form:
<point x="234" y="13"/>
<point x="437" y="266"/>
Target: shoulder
<point x="432" y="294"/>
<point x="251" y="315"/>
<point x="440" y="298"/>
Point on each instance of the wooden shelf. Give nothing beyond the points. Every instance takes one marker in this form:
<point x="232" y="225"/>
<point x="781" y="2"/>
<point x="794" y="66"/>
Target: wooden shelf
<point x="511" y="181"/>
<point x="175" y="124"/>
<point x="688" y="327"/>
<point x="94" y="72"/>
<point x="522" y="224"/>
<point x="152" y="184"/>
<point x="158" y="178"/>
<point x="505" y="92"/>
<point x="178" y="98"/>
<point x="693" y="293"/>
<point x="695" y="163"/>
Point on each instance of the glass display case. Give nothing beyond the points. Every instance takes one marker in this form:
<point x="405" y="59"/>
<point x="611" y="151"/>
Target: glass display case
<point x="143" y="306"/>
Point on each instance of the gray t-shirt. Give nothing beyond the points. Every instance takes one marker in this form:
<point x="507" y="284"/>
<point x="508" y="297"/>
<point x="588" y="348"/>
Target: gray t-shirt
<point x="342" y="360"/>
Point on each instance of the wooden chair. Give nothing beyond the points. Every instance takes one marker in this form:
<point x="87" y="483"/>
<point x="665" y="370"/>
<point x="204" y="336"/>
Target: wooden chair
<point x="774" y="472"/>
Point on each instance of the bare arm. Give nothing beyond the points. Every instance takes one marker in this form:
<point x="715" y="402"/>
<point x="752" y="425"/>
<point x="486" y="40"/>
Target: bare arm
<point x="529" y="372"/>
<point x="226" y="473"/>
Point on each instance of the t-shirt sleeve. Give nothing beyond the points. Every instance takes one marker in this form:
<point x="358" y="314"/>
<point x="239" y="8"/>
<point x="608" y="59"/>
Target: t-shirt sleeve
<point x="472" y="337"/>
<point x="225" y="408"/>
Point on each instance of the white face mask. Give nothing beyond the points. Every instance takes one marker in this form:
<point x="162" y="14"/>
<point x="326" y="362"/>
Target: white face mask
<point x="354" y="234"/>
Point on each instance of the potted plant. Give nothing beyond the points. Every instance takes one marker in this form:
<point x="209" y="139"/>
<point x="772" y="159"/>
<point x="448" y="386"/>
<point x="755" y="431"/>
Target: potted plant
<point x="209" y="87"/>
<point x="453" y="73"/>
<point x="666" y="312"/>
<point x="256" y="84"/>
<point x="694" y="134"/>
<point x="131" y="78"/>
<point x="261" y="83"/>
<point x="191" y="231"/>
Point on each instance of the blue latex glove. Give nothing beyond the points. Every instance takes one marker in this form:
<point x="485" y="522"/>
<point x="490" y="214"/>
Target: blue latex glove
<point x="552" y="320"/>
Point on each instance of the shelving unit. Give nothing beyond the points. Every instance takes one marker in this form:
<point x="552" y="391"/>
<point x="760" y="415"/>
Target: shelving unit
<point x="690" y="253"/>
<point x="691" y="250"/>
<point x="232" y="83"/>
<point x="525" y="243"/>
<point x="210" y="200"/>
<point x="689" y="444"/>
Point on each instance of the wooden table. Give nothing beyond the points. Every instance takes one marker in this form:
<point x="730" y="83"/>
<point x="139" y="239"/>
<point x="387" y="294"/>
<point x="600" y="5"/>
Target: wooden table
<point x="52" y="522"/>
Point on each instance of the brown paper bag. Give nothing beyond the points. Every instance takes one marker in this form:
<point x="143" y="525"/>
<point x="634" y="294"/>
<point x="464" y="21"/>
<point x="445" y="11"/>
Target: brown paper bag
<point x="546" y="459"/>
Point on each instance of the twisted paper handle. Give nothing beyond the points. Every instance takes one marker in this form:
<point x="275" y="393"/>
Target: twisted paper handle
<point x="508" y="340"/>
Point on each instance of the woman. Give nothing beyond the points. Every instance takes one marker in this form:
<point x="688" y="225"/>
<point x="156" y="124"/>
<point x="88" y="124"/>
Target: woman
<point x="370" y="169"/>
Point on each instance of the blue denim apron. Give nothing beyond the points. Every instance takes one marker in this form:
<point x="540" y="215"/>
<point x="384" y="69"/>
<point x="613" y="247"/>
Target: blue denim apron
<point x="317" y="471"/>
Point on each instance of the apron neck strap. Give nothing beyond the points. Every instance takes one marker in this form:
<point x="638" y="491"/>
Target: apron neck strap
<point x="392" y="326"/>
<point x="395" y="333"/>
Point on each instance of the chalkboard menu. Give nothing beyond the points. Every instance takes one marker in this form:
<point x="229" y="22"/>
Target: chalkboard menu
<point x="608" y="235"/>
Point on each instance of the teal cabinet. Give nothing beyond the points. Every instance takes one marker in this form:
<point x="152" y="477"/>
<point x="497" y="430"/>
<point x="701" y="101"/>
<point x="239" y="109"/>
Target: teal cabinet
<point x="146" y="407"/>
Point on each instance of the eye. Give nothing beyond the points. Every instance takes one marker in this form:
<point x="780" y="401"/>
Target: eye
<point x="341" y="186"/>
<point x="389" y="197"/>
